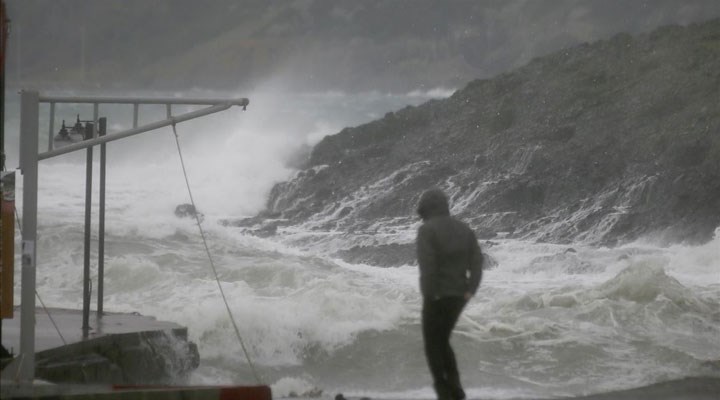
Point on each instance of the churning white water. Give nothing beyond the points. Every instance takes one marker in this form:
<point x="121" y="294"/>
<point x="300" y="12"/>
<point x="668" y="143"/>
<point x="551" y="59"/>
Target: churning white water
<point x="548" y="320"/>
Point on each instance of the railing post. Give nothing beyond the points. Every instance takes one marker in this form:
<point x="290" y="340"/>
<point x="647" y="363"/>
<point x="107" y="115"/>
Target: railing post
<point x="86" y="256"/>
<point x="102" y="122"/>
<point x="29" y="106"/>
<point x="51" y="131"/>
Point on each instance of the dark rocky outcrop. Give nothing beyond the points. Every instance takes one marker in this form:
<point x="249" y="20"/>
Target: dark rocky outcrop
<point x="381" y="255"/>
<point x="600" y="143"/>
<point x="393" y="255"/>
<point x="185" y="210"/>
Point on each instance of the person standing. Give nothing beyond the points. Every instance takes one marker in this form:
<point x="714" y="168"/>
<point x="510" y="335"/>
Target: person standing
<point x="450" y="262"/>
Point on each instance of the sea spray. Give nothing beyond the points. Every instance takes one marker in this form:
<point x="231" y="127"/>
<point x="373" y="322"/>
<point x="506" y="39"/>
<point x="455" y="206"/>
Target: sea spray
<point x="550" y="319"/>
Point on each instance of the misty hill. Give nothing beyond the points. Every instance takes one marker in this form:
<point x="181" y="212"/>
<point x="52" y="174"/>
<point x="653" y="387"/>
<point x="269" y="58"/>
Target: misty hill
<point x="397" y="45"/>
<point x="601" y="143"/>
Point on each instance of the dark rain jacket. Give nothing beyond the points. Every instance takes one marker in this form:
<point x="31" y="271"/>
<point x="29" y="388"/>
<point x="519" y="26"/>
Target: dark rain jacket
<point x="448" y="253"/>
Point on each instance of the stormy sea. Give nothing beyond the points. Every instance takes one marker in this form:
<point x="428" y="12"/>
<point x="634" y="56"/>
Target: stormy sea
<point x="550" y="320"/>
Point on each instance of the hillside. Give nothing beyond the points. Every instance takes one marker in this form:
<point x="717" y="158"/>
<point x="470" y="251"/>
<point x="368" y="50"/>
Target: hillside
<point x="602" y="143"/>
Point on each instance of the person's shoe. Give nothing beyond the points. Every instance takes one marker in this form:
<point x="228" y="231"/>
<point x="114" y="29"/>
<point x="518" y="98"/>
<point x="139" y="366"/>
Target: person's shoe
<point x="443" y="392"/>
<point x="457" y="392"/>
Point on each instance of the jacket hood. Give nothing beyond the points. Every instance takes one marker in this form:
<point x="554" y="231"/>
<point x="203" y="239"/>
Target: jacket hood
<point x="433" y="203"/>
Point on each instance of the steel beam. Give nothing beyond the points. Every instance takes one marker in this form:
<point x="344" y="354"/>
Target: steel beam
<point x="102" y="129"/>
<point x="130" y="132"/>
<point x="29" y="166"/>
<point x="243" y="102"/>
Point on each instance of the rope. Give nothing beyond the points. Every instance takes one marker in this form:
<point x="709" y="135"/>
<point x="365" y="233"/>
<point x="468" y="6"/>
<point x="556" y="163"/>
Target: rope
<point x="51" y="318"/>
<point x="212" y="264"/>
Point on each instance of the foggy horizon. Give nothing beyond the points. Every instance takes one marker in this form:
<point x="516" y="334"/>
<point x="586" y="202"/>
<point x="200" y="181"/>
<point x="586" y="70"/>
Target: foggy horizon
<point x="395" y="46"/>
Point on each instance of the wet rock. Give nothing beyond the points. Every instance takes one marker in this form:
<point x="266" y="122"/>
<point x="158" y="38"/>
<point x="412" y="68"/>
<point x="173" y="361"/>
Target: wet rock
<point x="566" y="262"/>
<point x="485" y="233"/>
<point x="384" y="255"/>
<point x="489" y="262"/>
<point x="266" y="230"/>
<point x="559" y="150"/>
<point x="187" y="210"/>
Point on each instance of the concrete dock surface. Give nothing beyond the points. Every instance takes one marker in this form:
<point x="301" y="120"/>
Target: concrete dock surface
<point x="69" y="323"/>
<point x="121" y="348"/>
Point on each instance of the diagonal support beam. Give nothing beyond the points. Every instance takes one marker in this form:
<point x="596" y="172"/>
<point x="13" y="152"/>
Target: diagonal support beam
<point x="242" y="102"/>
<point x="134" y="131"/>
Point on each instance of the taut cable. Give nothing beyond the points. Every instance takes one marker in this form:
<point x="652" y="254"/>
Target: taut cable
<point x="212" y="263"/>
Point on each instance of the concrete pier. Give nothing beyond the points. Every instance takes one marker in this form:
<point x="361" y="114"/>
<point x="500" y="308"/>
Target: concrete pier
<point x="120" y="349"/>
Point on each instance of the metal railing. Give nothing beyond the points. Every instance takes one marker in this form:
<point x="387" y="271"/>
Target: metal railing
<point x="29" y="159"/>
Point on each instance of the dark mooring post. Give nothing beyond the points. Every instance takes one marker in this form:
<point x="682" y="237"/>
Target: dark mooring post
<point x="101" y="228"/>
<point x="88" y="208"/>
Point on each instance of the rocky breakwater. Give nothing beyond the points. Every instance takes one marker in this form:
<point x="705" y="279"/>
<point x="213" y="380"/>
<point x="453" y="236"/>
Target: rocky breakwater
<point x="601" y="143"/>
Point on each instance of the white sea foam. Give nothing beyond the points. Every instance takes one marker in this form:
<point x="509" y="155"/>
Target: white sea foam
<point x="550" y="318"/>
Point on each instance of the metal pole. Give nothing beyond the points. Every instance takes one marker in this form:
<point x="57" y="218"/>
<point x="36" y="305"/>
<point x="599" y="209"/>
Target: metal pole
<point x="136" y="109"/>
<point x="101" y="228"/>
<point x="5" y="251"/>
<point x="3" y="41"/>
<point x="86" y="259"/>
<point x="51" y="134"/>
<point x="29" y="166"/>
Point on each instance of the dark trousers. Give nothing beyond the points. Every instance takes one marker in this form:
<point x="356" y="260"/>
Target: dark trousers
<point x="438" y="320"/>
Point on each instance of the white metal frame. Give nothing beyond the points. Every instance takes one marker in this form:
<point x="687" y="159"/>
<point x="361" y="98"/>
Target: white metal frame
<point x="29" y="159"/>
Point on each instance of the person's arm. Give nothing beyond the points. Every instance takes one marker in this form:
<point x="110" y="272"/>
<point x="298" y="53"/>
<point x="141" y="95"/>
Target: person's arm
<point x="425" y="255"/>
<point x="475" y="267"/>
